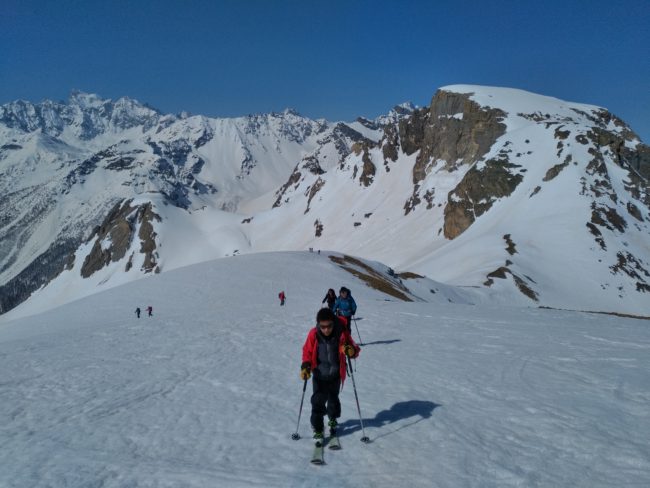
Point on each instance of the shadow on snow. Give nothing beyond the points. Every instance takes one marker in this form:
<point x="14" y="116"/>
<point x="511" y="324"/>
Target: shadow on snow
<point x="419" y="410"/>
<point x="391" y="341"/>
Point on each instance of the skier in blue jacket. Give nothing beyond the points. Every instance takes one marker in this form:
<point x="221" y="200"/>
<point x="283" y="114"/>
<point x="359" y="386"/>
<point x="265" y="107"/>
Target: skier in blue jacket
<point x="345" y="305"/>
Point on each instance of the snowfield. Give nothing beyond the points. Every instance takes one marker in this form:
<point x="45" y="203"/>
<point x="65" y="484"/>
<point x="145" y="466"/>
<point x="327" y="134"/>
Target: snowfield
<point x="206" y="392"/>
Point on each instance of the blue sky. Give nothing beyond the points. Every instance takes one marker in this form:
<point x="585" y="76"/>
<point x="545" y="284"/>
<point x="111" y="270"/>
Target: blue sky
<point x="332" y="59"/>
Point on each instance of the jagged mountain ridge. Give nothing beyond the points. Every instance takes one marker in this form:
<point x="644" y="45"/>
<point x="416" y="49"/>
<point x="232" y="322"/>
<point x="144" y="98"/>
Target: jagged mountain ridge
<point x="65" y="166"/>
<point x="416" y="189"/>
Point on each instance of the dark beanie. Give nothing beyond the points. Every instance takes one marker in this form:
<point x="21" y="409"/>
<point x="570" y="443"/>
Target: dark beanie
<point x="325" y="314"/>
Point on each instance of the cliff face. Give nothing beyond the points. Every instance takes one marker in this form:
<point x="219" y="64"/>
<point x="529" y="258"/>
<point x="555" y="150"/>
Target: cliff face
<point x="116" y="236"/>
<point x="454" y="131"/>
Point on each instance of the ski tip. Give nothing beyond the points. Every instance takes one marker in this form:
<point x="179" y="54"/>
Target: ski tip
<point x="295" y="436"/>
<point x="365" y="440"/>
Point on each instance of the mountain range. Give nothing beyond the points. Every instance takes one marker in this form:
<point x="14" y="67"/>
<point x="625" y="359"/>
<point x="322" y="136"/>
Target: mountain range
<point x="512" y="197"/>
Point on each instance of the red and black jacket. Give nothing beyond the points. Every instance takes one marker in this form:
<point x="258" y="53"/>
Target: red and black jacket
<point x="310" y="348"/>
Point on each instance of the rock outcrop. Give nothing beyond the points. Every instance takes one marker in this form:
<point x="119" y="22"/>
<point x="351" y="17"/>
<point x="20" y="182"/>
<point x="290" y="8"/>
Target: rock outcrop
<point x="453" y="131"/>
<point x="114" y="237"/>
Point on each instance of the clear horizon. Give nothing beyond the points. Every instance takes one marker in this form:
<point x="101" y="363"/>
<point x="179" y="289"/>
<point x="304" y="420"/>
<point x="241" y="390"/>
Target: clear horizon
<point x="336" y="60"/>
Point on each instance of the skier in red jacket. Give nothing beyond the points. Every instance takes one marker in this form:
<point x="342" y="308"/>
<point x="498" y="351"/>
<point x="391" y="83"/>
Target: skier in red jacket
<point x="324" y="354"/>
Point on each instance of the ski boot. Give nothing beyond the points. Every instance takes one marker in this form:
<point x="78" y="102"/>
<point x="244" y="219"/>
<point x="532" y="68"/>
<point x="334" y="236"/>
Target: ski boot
<point x="318" y="438"/>
<point x="333" y="424"/>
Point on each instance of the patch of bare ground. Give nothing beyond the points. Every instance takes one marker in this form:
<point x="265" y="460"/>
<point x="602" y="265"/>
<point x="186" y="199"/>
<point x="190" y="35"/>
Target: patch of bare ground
<point x="408" y="275"/>
<point x="371" y="277"/>
<point x="616" y="314"/>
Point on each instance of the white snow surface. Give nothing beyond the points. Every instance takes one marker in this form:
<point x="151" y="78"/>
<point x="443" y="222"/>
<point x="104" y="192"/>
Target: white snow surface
<point x="206" y="392"/>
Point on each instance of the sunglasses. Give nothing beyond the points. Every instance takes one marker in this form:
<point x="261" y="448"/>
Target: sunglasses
<point x="326" y="326"/>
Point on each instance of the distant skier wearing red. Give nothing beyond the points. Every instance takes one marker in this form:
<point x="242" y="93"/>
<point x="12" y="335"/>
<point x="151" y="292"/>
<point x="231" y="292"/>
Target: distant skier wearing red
<point x="282" y="298"/>
<point x="149" y="310"/>
<point x="324" y="354"/>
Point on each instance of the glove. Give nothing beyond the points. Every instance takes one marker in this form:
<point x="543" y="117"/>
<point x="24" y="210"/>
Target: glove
<point x="305" y="371"/>
<point x="349" y="350"/>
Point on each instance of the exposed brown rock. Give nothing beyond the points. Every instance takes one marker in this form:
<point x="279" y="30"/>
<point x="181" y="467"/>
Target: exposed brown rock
<point x="561" y="134"/>
<point x="372" y="278"/>
<point x="500" y="273"/>
<point x="631" y="266"/>
<point x="607" y="217"/>
<point x="554" y="171"/>
<point x="147" y="236"/>
<point x="512" y="249"/>
<point x="119" y="230"/>
<point x="293" y="180"/>
<point x="503" y="272"/>
<point x="524" y="288"/>
<point x="114" y="236"/>
<point x="369" y="169"/>
<point x="439" y="133"/>
<point x="313" y="190"/>
<point x="597" y="234"/>
<point x="477" y="192"/>
<point x="408" y="275"/>
<point x="390" y="144"/>
<point x="634" y="211"/>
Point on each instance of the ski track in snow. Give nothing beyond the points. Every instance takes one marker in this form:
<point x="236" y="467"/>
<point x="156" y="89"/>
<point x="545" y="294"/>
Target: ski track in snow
<point x="206" y="392"/>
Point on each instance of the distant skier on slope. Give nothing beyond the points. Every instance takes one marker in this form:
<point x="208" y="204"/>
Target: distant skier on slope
<point x="137" y="312"/>
<point x="282" y="297"/>
<point x="345" y="306"/>
<point x="330" y="298"/>
<point x="324" y="354"/>
<point x="149" y="310"/>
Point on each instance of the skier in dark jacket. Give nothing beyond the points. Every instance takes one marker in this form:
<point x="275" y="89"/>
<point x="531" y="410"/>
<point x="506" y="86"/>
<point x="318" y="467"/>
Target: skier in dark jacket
<point x="330" y="298"/>
<point x="345" y="306"/>
<point x="324" y="354"/>
<point x="137" y="312"/>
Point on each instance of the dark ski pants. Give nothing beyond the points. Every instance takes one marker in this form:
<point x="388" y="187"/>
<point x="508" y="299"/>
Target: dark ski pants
<point x="325" y="400"/>
<point x="349" y="319"/>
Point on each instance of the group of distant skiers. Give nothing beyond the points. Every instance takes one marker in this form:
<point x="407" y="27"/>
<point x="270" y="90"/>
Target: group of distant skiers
<point x="149" y="311"/>
<point x="325" y="355"/>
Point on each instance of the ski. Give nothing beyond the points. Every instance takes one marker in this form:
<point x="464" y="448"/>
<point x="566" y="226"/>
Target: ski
<point x="334" y="443"/>
<point x="317" y="457"/>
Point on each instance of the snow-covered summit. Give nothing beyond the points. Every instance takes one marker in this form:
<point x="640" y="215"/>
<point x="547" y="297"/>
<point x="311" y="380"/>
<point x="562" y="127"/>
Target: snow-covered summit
<point x="521" y="105"/>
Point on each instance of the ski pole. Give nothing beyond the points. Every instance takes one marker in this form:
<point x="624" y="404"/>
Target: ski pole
<point x="295" y="436"/>
<point x="356" y="397"/>
<point x="357" y="327"/>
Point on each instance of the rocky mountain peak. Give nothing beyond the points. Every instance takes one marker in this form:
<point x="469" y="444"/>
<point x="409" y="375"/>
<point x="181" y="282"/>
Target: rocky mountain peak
<point x="85" y="100"/>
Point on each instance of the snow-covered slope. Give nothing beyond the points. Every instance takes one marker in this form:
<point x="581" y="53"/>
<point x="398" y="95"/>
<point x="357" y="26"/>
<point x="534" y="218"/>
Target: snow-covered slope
<point x="64" y="168"/>
<point x="536" y="200"/>
<point x="206" y="392"/>
<point x="528" y="199"/>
